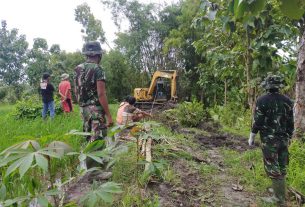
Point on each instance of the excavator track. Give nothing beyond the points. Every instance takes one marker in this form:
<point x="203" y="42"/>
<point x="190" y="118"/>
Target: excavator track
<point x="149" y="105"/>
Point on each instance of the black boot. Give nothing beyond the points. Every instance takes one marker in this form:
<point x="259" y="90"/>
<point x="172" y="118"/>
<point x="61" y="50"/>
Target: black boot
<point x="279" y="187"/>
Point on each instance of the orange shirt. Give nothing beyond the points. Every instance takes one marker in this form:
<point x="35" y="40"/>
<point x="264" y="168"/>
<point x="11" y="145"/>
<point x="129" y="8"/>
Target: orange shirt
<point x="63" y="87"/>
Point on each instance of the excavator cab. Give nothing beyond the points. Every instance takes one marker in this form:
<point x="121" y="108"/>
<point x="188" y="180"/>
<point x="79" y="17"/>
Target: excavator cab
<point x="160" y="92"/>
<point x="162" y="89"/>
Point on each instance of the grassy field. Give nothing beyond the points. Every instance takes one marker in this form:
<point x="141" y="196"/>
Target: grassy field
<point x="13" y="131"/>
<point x="237" y="164"/>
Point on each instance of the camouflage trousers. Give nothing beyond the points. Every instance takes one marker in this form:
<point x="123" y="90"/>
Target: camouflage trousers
<point x="276" y="158"/>
<point x="94" y="121"/>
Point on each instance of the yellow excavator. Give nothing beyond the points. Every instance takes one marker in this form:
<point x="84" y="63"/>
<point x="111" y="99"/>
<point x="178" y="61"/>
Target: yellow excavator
<point x="163" y="88"/>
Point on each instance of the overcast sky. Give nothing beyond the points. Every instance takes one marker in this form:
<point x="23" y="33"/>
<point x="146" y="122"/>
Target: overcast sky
<point x="54" y="20"/>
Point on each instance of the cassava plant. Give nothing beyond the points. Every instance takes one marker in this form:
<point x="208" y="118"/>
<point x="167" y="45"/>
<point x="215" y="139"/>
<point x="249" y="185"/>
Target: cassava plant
<point x="24" y="158"/>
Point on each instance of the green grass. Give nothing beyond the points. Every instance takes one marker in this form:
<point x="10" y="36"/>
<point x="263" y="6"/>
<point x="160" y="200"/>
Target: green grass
<point x="14" y="131"/>
<point x="296" y="169"/>
<point x="248" y="167"/>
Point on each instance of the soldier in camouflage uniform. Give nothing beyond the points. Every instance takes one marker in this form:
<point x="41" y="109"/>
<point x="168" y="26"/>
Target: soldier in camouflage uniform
<point x="273" y="118"/>
<point x="90" y="91"/>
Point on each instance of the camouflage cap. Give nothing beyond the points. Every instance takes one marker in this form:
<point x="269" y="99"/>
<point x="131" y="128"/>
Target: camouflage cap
<point x="92" y="48"/>
<point x="273" y="81"/>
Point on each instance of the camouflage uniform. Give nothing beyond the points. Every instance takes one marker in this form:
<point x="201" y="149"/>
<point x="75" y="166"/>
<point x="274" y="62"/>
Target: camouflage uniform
<point x="274" y="120"/>
<point x="93" y="115"/>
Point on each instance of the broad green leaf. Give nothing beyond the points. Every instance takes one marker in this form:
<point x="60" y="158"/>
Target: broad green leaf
<point x="59" y="147"/>
<point x="5" y="161"/>
<point x="10" y="202"/>
<point x="84" y="198"/>
<point x="107" y="197"/>
<point x="98" y="144"/>
<point x="50" y="153"/>
<point x="111" y="187"/>
<point x="92" y="200"/>
<point x="93" y="169"/>
<point x="73" y="153"/>
<point x="42" y="162"/>
<point x="22" y="145"/>
<point x="293" y="9"/>
<point x="42" y="201"/>
<point x="35" y="145"/>
<point x="13" y="167"/>
<point x="97" y="159"/>
<point x="102" y="153"/>
<point x="26" y="164"/>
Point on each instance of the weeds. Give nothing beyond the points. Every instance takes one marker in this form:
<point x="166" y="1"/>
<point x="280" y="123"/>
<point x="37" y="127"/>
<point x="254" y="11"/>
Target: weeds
<point x="296" y="169"/>
<point x="249" y="168"/>
<point x="234" y="118"/>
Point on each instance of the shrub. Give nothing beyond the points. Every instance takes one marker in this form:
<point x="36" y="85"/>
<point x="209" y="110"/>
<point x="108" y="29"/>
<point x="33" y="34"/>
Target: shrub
<point x="233" y="115"/>
<point x="31" y="108"/>
<point x="190" y="114"/>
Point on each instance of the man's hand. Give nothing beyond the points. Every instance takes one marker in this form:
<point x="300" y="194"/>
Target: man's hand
<point x="251" y="139"/>
<point x="109" y="121"/>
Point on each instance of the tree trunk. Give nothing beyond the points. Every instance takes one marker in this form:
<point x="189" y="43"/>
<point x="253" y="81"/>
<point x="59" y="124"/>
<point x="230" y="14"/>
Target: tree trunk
<point x="299" y="119"/>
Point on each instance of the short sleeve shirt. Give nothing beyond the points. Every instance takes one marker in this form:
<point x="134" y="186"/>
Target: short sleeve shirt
<point x="86" y="77"/>
<point x="46" y="90"/>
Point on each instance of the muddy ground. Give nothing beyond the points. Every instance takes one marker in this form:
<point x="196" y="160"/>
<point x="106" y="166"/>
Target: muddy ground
<point x="196" y="189"/>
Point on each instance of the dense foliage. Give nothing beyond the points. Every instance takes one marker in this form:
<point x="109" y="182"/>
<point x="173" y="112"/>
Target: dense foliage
<point x="190" y="114"/>
<point x="221" y="49"/>
<point x="31" y="108"/>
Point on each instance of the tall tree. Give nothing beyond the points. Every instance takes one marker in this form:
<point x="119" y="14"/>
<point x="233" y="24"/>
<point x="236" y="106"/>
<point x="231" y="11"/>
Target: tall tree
<point x="233" y="66"/>
<point x="178" y="45"/>
<point x="294" y="9"/>
<point x="121" y="78"/>
<point x="143" y="41"/>
<point x="92" y="27"/>
<point x="13" y="49"/>
<point x="38" y="61"/>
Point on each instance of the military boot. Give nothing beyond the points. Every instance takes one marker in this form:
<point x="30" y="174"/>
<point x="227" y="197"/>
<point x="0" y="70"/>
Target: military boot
<point x="279" y="191"/>
<point x="279" y="187"/>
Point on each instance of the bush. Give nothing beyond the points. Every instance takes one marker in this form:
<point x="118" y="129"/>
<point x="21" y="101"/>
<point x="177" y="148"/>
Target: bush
<point x="31" y="108"/>
<point x="233" y="115"/>
<point x="190" y="114"/>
